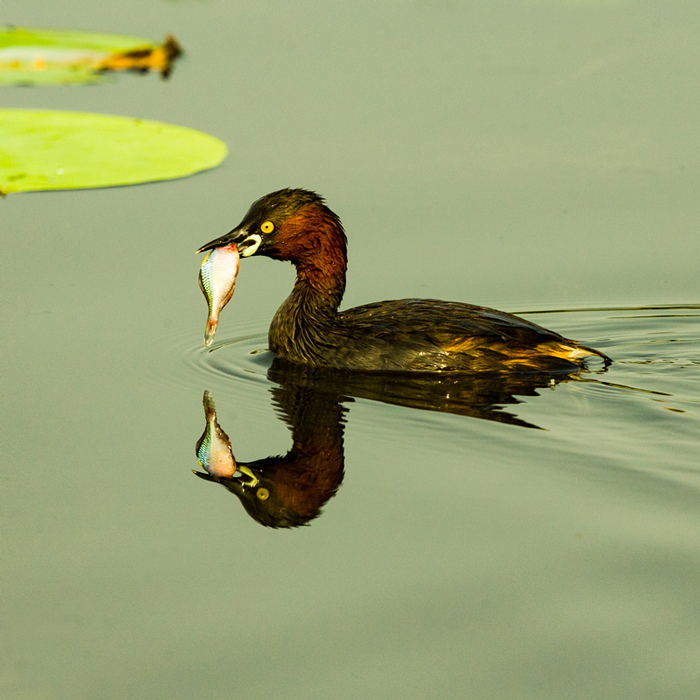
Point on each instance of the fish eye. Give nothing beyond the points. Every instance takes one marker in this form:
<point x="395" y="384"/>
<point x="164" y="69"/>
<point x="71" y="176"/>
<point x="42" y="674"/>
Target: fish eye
<point x="262" y="494"/>
<point x="267" y="227"/>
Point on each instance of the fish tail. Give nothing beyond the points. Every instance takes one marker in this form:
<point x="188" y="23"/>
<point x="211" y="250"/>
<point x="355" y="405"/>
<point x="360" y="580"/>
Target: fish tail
<point x="209" y="408"/>
<point x="210" y="331"/>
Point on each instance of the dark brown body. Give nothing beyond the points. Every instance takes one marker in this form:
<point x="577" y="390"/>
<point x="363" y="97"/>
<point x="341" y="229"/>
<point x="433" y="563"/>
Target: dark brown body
<point x="415" y="335"/>
<point x="420" y="335"/>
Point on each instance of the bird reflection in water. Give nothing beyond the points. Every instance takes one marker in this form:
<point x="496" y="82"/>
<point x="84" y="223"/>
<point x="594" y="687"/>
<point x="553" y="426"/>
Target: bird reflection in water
<point x="290" y="490"/>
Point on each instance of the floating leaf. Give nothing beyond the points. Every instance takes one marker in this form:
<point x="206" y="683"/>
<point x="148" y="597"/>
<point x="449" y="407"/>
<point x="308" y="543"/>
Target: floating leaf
<point x="49" y="150"/>
<point x="31" y="56"/>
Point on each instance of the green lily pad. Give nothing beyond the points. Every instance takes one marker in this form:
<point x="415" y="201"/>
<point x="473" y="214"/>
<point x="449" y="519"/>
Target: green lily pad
<point x="49" y="150"/>
<point x="30" y="56"/>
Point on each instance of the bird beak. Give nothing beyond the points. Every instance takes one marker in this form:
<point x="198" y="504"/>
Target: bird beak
<point x="205" y="476"/>
<point x="242" y="474"/>
<point x="247" y="243"/>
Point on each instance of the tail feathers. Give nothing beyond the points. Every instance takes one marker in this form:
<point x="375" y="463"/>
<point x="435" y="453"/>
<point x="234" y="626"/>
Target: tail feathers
<point x="582" y="351"/>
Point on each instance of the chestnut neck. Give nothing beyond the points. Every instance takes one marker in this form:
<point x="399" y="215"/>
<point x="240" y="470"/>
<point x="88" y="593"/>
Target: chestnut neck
<point x="313" y="240"/>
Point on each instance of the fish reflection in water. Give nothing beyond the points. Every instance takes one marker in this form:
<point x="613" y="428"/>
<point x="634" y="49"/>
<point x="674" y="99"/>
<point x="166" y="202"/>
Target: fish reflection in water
<point x="214" y="447"/>
<point x="290" y="490"/>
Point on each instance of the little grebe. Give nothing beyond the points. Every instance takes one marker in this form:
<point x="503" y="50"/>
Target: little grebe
<point x="413" y="335"/>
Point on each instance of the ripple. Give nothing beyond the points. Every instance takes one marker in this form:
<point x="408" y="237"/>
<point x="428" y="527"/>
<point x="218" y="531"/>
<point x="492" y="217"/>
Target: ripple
<point x="243" y="356"/>
<point x="238" y="363"/>
<point x="654" y="353"/>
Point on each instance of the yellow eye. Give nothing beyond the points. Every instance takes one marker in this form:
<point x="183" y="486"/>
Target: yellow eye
<point x="267" y="227"/>
<point x="262" y="494"/>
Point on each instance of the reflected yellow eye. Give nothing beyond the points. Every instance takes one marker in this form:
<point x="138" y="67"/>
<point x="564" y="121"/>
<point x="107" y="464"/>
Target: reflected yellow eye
<point x="267" y="227"/>
<point x="262" y="494"/>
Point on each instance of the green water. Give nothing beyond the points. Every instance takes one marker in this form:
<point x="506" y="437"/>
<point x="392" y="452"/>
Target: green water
<point x="531" y="156"/>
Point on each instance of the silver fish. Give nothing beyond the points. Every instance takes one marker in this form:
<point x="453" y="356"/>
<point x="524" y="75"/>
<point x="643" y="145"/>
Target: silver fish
<point x="217" y="279"/>
<point x="214" y="447"/>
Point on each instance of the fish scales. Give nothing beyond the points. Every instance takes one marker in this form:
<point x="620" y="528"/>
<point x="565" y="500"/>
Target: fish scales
<point x="217" y="280"/>
<point x="214" y="447"/>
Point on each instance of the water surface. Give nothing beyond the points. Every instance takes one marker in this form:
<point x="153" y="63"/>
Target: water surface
<point x="537" y="157"/>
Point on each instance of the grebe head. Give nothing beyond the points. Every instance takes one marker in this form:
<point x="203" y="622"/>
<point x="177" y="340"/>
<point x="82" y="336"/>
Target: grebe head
<point x="279" y="225"/>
